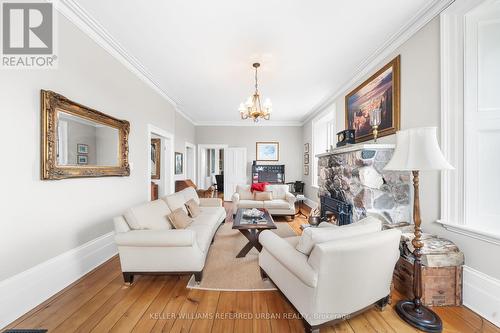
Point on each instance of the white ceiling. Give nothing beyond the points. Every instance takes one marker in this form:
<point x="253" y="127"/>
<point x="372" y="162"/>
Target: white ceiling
<point x="200" y="52"/>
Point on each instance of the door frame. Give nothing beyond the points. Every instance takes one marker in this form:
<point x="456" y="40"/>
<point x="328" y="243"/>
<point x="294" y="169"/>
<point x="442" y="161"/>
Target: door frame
<point x="193" y="147"/>
<point x="201" y="149"/>
<point x="167" y="160"/>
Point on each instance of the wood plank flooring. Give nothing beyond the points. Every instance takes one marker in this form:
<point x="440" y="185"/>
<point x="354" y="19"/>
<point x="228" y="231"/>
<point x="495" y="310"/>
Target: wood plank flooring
<point x="101" y="302"/>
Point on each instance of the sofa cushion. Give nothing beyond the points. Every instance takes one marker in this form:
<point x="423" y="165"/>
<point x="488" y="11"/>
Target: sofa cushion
<point x="313" y="236"/>
<point x="179" y="219"/>
<point x="190" y="193"/>
<point x="250" y="204"/>
<point x="219" y="212"/>
<point x="277" y="204"/>
<point x="151" y="215"/>
<point x="244" y="192"/>
<point x="279" y="191"/>
<point x="175" y="201"/>
<point x="263" y="196"/>
<point x="203" y="234"/>
<point x="193" y="208"/>
<point x="209" y="220"/>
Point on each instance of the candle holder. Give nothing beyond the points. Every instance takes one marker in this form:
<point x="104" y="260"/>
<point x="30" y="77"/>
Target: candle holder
<point x="375" y="119"/>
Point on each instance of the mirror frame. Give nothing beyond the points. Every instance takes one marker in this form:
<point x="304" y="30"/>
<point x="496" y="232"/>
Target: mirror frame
<point x="51" y="102"/>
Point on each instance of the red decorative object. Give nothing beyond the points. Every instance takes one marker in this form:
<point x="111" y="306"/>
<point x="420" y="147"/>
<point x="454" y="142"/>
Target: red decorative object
<point x="260" y="187"/>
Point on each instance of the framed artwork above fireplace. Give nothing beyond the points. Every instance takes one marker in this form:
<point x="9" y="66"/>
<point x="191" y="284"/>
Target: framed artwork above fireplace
<point x="380" y="91"/>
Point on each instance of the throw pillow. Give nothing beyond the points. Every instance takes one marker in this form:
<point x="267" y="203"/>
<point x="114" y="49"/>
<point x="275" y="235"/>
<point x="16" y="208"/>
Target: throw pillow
<point x="175" y="201"/>
<point x="244" y="192"/>
<point x="179" y="219"/>
<point x="263" y="196"/>
<point x="193" y="208"/>
<point x="313" y="236"/>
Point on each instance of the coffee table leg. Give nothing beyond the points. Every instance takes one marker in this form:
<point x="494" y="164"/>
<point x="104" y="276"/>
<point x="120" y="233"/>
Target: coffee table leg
<point x="253" y="241"/>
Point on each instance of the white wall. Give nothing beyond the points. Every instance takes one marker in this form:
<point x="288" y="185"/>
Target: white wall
<point x="42" y="219"/>
<point x="420" y="106"/>
<point x="289" y="138"/>
<point x="184" y="132"/>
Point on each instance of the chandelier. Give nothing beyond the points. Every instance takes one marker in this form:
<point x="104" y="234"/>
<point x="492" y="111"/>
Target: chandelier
<point x="252" y="107"/>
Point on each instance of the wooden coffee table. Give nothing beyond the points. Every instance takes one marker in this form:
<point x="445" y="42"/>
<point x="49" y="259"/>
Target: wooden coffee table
<point x="251" y="230"/>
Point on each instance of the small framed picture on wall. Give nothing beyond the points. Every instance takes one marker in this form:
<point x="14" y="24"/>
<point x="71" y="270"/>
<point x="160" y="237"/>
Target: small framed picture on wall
<point x="82" y="159"/>
<point x="306" y="158"/>
<point x="82" y="148"/>
<point x="306" y="170"/>
<point x="306" y="147"/>
<point x="179" y="163"/>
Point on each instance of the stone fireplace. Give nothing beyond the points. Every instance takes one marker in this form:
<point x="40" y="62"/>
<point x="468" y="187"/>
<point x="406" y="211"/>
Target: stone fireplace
<point x="353" y="185"/>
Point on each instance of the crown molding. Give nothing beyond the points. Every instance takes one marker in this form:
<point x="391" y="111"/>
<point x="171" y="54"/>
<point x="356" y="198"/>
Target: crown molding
<point x="418" y="21"/>
<point x="86" y="23"/>
<point x="248" y="123"/>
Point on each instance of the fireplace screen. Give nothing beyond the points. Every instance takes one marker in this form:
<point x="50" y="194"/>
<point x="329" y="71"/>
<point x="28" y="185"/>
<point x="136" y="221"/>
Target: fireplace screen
<point x="338" y="211"/>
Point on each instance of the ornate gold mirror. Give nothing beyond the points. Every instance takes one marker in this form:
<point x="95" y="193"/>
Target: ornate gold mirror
<point x="80" y="142"/>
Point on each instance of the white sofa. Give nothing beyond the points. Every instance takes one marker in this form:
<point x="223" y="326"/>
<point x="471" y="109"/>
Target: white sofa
<point x="339" y="277"/>
<point x="147" y="242"/>
<point x="283" y="202"/>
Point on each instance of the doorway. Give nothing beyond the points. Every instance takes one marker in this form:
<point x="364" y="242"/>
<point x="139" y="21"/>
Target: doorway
<point x="211" y="166"/>
<point x="190" y="163"/>
<point x="160" y="170"/>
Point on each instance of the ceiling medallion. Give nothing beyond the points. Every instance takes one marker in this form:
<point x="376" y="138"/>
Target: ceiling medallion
<point x="252" y="108"/>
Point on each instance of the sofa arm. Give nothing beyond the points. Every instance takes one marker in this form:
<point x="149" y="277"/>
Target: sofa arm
<point x="290" y="198"/>
<point x="121" y="224"/>
<point x="235" y="198"/>
<point x="210" y="202"/>
<point x="289" y="257"/>
<point x="156" y="238"/>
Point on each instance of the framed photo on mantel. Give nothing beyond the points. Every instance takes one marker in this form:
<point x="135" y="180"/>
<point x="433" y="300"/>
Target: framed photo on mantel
<point x="380" y="91"/>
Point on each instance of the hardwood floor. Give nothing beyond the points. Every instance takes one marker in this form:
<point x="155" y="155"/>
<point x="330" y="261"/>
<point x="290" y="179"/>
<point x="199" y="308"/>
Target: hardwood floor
<point x="101" y="302"/>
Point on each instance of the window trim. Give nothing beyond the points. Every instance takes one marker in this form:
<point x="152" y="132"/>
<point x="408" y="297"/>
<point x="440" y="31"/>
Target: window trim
<point x="331" y="114"/>
<point x="452" y="42"/>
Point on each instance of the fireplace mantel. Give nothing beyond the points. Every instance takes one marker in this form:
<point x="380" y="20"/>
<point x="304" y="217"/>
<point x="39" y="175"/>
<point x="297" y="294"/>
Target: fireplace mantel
<point x="360" y="146"/>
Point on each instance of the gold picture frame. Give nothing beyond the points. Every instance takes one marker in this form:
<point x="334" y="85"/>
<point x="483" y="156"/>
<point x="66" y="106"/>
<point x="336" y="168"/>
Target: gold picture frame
<point x="51" y="105"/>
<point x="376" y="89"/>
<point x="267" y="151"/>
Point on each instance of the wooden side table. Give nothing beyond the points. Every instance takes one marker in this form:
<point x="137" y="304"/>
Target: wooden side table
<point x="299" y="202"/>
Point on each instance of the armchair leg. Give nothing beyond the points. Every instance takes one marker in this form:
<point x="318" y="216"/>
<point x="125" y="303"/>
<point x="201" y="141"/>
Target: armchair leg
<point x="128" y="277"/>
<point x="198" y="276"/>
<point x="382" y="303"/>
<point x="263" y="273"/>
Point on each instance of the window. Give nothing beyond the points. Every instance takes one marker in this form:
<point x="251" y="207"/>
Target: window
<point x="471" y="119"/>
<point x="323" y="135"/>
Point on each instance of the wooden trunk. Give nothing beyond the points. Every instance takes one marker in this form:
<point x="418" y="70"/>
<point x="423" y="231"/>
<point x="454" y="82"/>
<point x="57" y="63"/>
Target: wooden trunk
<point x="441" y="286"/>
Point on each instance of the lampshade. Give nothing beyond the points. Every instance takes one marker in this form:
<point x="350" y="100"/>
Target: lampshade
<point x="417" y="149"/>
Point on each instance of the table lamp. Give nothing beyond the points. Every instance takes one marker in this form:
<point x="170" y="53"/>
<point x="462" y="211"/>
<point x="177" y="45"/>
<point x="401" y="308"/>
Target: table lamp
<point x="417" y="150"/>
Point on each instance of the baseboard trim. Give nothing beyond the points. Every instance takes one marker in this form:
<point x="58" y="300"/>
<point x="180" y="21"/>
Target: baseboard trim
<point x="24" y="291"/>
<point x="482" y="294"/>
<point x="311" y="203"/>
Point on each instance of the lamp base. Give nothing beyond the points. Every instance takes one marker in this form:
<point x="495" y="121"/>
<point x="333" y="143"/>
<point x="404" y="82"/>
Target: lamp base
<point x="425" y="319"/>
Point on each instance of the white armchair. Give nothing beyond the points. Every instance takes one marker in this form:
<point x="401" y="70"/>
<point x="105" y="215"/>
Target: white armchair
<point x="339" y="277"/>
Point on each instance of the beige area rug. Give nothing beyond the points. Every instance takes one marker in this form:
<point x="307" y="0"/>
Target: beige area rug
<point x="223" y="271"/>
